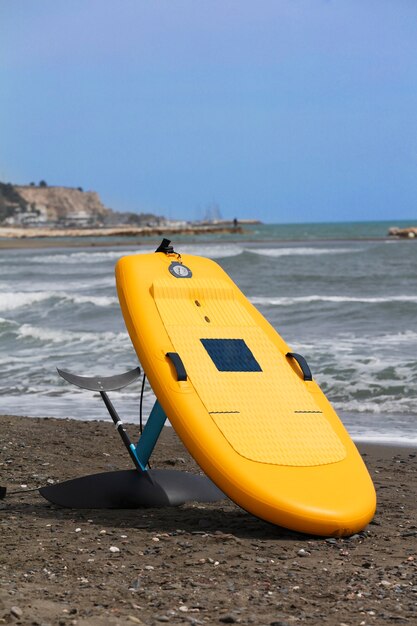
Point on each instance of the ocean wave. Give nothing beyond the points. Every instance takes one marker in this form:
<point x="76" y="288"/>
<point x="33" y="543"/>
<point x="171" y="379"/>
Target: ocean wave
<point x="56" y="282"/>
<point x="365" y="345"/>
<point x="50" y="335"/>
<point x="406" y="337"/>
<point x="9" y="301"/>
<point x="7" y="332"/>
<point x="369" y="351"/>
<point x="215" y="251"/>
<point x="372" y="374"/>
<point x="87" y="257"/>
<point x="212" y="251"/>
<point x="102" y="301"/>
<point x="290" y="300"/>
<point x="299" y="251"/>
<point x="390" y="437"/>
<point x="75" y="403"/>
<point x="384" y="405"/>
<point x="7" y="322"/>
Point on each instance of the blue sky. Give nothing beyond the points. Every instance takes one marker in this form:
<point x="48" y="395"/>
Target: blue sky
<point x="285" y="110"/>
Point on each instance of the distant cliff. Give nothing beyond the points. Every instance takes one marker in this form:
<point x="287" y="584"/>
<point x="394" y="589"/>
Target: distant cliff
<point x="67" y="207"/>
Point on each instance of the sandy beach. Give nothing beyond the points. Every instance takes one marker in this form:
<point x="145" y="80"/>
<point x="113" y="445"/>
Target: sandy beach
<point x="196" y="564"/>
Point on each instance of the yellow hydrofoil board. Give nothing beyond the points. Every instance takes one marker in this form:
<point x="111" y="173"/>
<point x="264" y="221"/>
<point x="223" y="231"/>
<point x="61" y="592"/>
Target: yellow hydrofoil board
<point x="244" y="405"/>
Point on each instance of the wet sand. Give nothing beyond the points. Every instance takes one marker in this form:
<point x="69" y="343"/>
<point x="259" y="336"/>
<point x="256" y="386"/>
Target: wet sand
<point x="196" y="564"/>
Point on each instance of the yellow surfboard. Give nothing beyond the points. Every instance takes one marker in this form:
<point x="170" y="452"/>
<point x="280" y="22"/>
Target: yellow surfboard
<point x="244" y="405"/>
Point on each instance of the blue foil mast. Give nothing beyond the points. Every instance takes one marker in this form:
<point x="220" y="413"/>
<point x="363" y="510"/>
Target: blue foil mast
<point x="149" y="436"/>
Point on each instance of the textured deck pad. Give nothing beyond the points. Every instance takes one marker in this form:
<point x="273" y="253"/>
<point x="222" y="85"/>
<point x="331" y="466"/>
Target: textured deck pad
<point x="261" y="406"/>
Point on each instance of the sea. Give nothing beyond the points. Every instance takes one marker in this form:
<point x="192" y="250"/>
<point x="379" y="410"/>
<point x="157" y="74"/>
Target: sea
<point x="342" y="295"/>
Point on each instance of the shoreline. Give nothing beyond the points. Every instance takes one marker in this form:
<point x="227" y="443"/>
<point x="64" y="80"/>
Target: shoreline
<point x="79" y="242"/>
<point x="18" y="234"/>
<point x="196" y="564"/>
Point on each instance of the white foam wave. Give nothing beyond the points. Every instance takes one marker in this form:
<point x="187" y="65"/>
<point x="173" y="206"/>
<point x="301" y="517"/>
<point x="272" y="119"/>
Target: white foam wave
<point x="218" y="251"/>
<point x="7" y="329"/>
<point x="300" y="251"/>
<point x="392" y="437"/>
<point x="10" y="300"/>
<point x="96" y="300"/>
<point x="408" y="337"/>
<point x="288" y="301"/>
<point x="362" y="375"/>
<point x="88" y="257"/>
<point x="7" y="322"/>
<point x="384" y="405"/>
<point x="347" y="341"/>
<point x="46" y="335"/>
<point x="55" y="283"/>
<point x="49" y="335"/>
<point x="212" y="251"/>
<point x="74" y="404"/>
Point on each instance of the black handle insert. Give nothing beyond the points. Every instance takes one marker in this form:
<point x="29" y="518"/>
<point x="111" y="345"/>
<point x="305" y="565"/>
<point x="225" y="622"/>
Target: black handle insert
<point x="302" y="363"/>
<point x="178" y="364"/>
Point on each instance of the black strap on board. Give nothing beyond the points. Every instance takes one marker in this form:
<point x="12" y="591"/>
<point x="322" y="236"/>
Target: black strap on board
<point x="302" y="363"/>
<point x="178" y="364"/>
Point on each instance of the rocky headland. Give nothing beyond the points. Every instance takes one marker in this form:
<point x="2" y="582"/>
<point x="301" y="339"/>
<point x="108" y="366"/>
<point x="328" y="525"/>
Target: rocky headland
<point x="42" y="211"/>
<point x="42" y="206"/>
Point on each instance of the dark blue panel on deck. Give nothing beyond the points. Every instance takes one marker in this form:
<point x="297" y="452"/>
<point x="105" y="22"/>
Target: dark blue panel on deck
<point x="231" y="355"/>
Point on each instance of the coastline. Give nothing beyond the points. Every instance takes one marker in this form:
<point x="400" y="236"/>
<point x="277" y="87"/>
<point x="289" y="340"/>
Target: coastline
<point x="239" y="237"/>
<point x="17" y="234"/>
<point x="199" y="563"/>
<point x="247" y="231"/>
